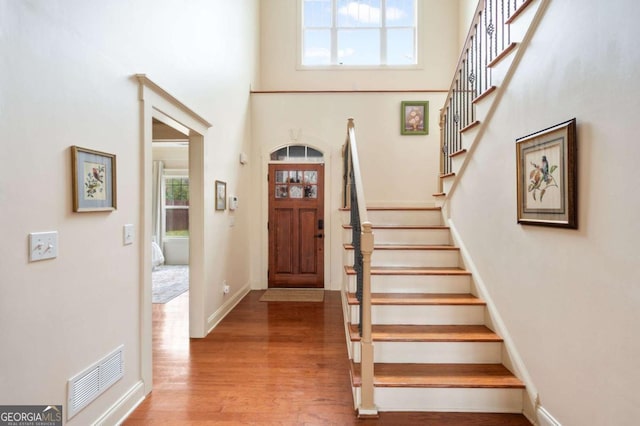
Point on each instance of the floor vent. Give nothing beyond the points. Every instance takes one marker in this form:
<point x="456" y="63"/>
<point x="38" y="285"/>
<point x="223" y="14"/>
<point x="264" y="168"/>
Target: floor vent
<point x="93" y="381"/>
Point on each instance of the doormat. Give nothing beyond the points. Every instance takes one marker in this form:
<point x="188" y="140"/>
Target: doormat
<point x="292" y="295"/>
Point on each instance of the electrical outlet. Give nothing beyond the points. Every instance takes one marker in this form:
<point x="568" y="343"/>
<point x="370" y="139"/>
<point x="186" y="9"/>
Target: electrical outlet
<point x="225" y="287"/>
<point x="43" y="245"/>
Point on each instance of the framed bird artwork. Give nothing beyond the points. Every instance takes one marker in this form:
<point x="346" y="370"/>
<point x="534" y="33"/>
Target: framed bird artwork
<point x="94" y="180"/>
<point x="547" y="177"/>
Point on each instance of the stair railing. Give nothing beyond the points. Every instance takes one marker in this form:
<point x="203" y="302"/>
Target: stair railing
<point x="362" y="240"/>
<point x="488" y="39"/>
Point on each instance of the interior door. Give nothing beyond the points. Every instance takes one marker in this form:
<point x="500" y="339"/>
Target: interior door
<point x="296" y="225"/>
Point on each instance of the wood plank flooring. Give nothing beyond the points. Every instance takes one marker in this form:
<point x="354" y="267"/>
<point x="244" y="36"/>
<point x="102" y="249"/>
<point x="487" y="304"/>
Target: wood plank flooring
<point x="266" y="363"/>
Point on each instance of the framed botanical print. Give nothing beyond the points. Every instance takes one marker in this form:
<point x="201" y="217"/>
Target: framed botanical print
<point x="94" y="180"/>
<point x="414" y="118"/>
<point x="547" y="177"/>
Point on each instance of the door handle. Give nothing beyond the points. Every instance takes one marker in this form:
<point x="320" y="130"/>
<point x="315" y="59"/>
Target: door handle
<point x="319" y="235"/>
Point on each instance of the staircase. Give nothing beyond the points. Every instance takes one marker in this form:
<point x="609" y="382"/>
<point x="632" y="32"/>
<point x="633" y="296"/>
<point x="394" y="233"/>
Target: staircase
<point x="432" y="348"/>
<point x="480" y="80"/>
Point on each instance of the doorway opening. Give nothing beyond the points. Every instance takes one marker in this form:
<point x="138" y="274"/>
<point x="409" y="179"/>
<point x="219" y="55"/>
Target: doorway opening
<point x="157" y="105"/>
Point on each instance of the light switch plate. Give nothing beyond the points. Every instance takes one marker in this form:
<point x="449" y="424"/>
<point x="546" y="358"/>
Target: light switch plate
<point x="128" y="234"/>
<point x="43" y="245"/>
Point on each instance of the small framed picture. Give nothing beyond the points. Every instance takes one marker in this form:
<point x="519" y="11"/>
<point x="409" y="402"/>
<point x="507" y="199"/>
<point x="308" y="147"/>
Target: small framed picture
<point x="415" y="118"/>
<point x="547" y="177"/>
<point x="221" y="195"/>
<point x="94" y="180"/>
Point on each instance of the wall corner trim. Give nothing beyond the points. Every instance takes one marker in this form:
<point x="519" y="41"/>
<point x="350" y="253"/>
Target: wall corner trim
<point x="145" y="81"/>
<point x="226" y="307"/>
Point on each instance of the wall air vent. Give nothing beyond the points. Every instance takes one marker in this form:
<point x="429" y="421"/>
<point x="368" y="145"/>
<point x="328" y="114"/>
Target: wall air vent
<point x="86" y="386"/>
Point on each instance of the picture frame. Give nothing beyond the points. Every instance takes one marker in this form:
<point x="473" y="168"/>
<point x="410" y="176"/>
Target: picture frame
<point x="546" y="176"/>
<point x="414" y="118"/>
<point x="221" y="195"/>
<point x="94" y="180"/>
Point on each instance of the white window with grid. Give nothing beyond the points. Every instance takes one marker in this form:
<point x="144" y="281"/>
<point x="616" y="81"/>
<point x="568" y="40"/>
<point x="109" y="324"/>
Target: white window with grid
<point x="373" y="33"/>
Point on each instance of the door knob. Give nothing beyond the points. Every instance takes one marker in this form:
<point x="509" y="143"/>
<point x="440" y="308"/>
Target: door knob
<point x="319" y="236"/>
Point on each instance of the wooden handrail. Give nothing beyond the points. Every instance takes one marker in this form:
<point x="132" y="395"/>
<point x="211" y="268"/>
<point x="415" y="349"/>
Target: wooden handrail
<point x="363" y="249"/>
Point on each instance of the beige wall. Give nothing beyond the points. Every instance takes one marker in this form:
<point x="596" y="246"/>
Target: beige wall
<point x="66" y="79"/>
<point x="397" y="170"/>
<point x="569" y="298"/>
<point x="465" y="16"/>
<point x="390" y="174"/>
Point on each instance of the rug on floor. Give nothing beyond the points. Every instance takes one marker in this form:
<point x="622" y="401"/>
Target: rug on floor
<point x="169" y="282"/>
<point x="292" y="295"/>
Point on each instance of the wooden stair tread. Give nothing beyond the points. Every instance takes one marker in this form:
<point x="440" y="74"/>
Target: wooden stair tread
<point x="403" y="227"/>
<point x="440" y="376"/>
<point x="409" y="270"/>
<point x="403" y="208"/>
<point x="349" y="246"/>
<point x="502" y="55"/>
<point x="427" y="333"/>
<point x="457" y="153"/>
<point x="419" y="299"/>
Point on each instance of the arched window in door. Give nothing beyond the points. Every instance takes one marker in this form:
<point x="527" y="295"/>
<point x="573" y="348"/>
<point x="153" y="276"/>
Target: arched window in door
<point x="297" y="153"/>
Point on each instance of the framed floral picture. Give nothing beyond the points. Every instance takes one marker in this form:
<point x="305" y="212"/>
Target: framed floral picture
<point x="414" y="118"/>
<point x="94" y="180"/>
<point x="547" y="177"/>
<point x="221" y="195"/>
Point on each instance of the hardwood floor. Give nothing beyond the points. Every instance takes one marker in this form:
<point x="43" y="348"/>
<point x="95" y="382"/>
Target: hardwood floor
<point x="265" y="363"/>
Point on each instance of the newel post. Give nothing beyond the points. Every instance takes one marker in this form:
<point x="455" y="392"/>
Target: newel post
<point x="367" y="406"/>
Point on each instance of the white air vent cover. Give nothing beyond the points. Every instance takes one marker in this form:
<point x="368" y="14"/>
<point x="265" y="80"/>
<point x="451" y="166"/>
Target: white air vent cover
<point x="86" y="386"/>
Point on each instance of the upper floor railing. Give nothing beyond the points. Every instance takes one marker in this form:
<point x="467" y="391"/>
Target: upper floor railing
<point x="489" y="38"/>
<point x="362" y="241"/>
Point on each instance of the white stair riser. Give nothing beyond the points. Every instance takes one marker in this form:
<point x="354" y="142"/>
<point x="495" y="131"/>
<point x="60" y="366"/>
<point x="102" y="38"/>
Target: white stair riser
<point x="406" y="236"/>
<point x="434" y="352"/>
<point x="423" y="314"/>
<point x="417" y="258"/>
<point x="416" y="283"/>
<point x="458" y="160"/>
<point x="405" y="217"/>
<point x="447" y="184"/>
<point x="482" y="400"/>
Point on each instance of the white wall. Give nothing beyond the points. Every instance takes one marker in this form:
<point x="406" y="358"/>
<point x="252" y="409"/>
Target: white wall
<point x="65" y="79"/>
<point x="570" y="298"/>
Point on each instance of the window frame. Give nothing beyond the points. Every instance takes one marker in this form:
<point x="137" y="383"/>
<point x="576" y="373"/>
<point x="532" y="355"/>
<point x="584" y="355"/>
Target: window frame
<point x="173" y="207"/>
<point x="334" y="65"/>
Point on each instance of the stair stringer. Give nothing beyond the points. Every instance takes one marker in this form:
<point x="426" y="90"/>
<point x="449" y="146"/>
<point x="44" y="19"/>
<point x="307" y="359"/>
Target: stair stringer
<point x="510" y="356"/>
<point x="485" y="112"/>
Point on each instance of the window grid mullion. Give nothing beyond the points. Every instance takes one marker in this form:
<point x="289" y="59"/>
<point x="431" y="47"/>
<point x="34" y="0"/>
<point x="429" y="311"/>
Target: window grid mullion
<point x="383" y="33"/>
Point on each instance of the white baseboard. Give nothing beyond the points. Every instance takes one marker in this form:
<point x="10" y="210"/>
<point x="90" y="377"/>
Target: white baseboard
<point x="118" y="412"/>
<point x="546" y="419"/>
<point x="225" y="308"/>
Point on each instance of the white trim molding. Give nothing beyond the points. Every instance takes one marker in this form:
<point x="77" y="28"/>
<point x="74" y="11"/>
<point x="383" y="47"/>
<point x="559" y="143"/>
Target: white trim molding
<point x="545" y="419"/>
<point x="123" y="407"/>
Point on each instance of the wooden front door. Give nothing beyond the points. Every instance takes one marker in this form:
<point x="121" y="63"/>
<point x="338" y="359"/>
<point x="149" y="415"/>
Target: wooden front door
<point x="296" y="225"/>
